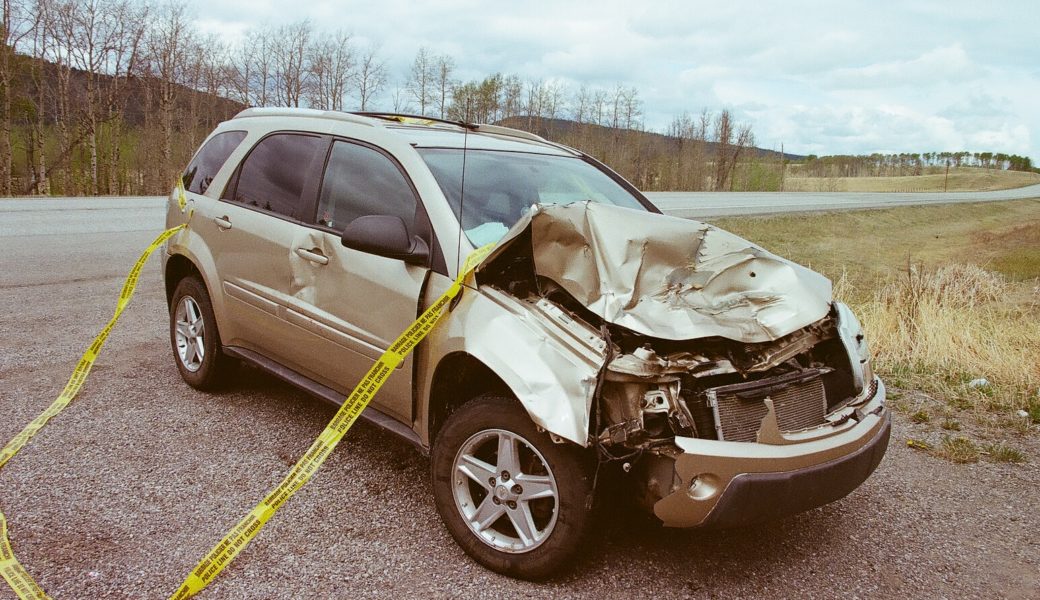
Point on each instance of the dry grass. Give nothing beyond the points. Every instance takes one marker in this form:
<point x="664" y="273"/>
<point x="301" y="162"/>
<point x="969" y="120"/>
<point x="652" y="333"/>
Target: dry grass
<point x="964" y="179"/>
<point x="938" y="330"/>
<point x="947" y="294"/>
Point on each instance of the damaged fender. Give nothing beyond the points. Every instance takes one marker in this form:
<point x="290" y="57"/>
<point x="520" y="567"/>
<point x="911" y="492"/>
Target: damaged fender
<point x="551" y="370"/>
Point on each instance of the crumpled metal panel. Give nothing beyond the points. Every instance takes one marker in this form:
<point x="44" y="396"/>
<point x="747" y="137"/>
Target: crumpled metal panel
<point x="552" y="375"/>
<point x="668" y="277"/>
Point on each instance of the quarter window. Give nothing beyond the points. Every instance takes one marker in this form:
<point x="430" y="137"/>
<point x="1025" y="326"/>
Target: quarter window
<point x="361" y="181"/>
<point x="272" y="177"/>
<point x="210" y="159"/>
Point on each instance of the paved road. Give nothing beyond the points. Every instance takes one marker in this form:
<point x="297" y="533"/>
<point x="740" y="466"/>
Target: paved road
<point x="120" y="495"/>
<point x="699" y="205"/>
<point x="146" y="213"/>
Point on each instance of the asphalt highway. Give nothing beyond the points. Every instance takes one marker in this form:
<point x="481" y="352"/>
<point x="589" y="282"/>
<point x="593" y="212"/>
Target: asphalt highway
<point x="700" y="205"/>
<point x="46" y="216"/>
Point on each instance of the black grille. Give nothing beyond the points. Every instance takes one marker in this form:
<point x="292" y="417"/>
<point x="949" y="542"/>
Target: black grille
<point x="799" y="399"/>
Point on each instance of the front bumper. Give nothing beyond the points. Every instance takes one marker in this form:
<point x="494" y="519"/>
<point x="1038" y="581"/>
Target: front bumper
<point x="732" y="484"/>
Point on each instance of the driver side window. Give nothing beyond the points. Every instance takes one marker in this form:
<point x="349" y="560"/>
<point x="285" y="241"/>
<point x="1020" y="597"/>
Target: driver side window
<point x="361" y="181"/>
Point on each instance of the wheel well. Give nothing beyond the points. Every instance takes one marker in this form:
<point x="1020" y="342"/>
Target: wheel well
<point x="178" y="267"/>
<point x="459" y="378"/>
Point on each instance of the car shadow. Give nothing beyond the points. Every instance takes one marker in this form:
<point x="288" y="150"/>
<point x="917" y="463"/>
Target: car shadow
<point x="621" y="531"/>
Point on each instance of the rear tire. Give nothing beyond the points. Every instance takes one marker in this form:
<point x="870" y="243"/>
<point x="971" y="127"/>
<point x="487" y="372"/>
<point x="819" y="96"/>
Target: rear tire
<point x="513" y="499"/>
<point x="195" y="339"/>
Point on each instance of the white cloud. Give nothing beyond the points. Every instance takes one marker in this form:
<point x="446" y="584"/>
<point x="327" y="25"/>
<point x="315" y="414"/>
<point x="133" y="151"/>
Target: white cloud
<point x="941" y="65"/>
<point x="839" y="77"/>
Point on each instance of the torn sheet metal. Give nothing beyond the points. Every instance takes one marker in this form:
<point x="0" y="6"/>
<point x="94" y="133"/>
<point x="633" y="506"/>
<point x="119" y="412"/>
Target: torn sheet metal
<point x="668" y="277"/>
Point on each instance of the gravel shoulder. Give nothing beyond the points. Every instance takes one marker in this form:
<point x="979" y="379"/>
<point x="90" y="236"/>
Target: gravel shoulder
<point x="122" y="493"/>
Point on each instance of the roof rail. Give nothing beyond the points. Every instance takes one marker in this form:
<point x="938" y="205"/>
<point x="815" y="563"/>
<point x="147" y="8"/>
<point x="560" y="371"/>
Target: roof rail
<point x="411" y="119"/>
<point x="272" y="111"/>
<point x="520" y="133"/>
<point x="481" y="127"/>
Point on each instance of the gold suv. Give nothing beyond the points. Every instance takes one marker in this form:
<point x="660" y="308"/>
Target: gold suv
<point x="722" y="384"/>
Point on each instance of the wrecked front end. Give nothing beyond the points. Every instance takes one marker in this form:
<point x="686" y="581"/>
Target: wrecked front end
<point x="730" y="388"/>
<point x="737" y="433"/>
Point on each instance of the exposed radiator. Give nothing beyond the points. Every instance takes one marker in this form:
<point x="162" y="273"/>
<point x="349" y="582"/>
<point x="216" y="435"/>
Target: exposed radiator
<point x="799" y="399"/>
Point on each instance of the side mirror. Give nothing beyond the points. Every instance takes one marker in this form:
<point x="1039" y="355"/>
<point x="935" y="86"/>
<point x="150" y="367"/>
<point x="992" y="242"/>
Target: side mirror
<point x="385" y="235"/>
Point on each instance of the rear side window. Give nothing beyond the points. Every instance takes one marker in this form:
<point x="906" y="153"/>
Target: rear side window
<point x="272" y="177"/>
<point x="361" y="181"/>
<point x="210" y="159"/>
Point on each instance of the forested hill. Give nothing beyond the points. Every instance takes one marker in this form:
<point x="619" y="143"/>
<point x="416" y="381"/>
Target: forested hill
<point x="77" y="132"/>
<point x="560" y="129"/>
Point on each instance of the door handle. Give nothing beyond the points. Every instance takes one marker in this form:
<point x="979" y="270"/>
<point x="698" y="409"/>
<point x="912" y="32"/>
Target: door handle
<point x="315" y="256"/>
<point x="222" y="222"/>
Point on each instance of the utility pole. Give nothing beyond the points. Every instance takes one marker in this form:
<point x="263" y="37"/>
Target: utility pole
<point x="783" y="167"/>
<point x="947" y="178"/>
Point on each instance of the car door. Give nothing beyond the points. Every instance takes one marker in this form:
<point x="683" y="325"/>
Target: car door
<point x="358" y="303"/>
<point x="257" y="220"/>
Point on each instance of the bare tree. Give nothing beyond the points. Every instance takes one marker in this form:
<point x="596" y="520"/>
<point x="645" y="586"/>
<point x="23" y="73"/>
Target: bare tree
<point x="331" y="60"/>
<point x="124" y="55"/>
<point x="254" y="69"/>
<point x="581" y="107"/>
<point x="289" y="48"/>
<point x="421" y="77"/>
<point x="631" y="108"/>
<point x="369" y="77"/>
<point x="17" y="22"/>
<point x="399" y="97"/>
<point x="39" y="182"/>
<point x="730" y="141"/>
<point x="533" y="105"/>
<point x="165" y="44"/>
<point x="691" y="154"/>
<point x="600" y="100"/>
<point x="443" y="68"/>
<point x="102" y="44"/>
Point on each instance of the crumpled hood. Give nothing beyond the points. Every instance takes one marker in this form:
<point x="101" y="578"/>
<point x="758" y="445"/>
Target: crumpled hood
<point x="668" y="277"/>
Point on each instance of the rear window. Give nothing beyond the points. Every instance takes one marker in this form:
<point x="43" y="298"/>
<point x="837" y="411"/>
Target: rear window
<point x="210" y="159"/>
<point x="272" y="177"/>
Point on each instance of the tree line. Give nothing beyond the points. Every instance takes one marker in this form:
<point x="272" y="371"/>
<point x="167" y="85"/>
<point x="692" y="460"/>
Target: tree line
<point x="113" y="96"/>
<point x="884" y="165"/>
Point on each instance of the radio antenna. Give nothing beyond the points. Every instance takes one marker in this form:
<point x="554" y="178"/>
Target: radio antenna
<point x="462" y="184"/>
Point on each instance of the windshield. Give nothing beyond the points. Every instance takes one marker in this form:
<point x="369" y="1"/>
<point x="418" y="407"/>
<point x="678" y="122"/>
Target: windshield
<point x="502" y="186"/>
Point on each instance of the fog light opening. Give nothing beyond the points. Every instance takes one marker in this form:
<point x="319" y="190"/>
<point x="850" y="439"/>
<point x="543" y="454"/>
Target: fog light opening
<point x="704" y="486"/>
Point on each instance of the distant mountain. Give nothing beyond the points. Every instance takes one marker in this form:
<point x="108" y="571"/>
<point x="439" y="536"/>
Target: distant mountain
<point x="559" y="130"/>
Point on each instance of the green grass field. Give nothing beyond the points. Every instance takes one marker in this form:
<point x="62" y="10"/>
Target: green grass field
<point x="964" y="179"/>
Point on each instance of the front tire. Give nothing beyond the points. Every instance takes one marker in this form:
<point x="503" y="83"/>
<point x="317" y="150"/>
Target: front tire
<point x="195" y="337"/>
<point x="513" y="499"/>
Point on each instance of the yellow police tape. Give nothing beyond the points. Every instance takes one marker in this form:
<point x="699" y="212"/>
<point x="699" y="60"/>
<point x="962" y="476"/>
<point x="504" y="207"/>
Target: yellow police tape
<point x="223" y="553"/>
<point x="13" y="572"/>
<point x="246" y="529"/>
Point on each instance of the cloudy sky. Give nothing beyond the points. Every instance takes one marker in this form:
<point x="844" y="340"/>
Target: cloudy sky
<point x="823" y="77"/>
